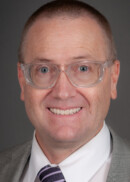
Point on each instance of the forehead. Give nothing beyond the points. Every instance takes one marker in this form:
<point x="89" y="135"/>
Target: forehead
<point x="65" y="37"/>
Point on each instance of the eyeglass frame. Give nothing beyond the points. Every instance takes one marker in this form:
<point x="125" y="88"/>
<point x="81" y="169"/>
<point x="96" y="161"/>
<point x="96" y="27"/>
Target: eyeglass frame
<point x="25" y="68"/>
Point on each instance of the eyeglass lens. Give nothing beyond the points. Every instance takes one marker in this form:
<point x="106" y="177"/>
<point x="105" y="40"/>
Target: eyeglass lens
<point x="44" y="75"/>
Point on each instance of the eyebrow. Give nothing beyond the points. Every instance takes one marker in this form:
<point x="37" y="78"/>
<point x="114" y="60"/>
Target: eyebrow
<point x="87" y="57"/>
<point x="41" y="60"/>
<point x="84" y="56"/>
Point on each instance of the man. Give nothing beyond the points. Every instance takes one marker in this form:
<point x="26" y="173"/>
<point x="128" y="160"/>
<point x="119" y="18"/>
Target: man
<point x="68" y="73"/>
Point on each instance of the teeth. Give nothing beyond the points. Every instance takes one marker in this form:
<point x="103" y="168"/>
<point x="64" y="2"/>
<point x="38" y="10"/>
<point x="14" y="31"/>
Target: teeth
<point x="64" y="112"/>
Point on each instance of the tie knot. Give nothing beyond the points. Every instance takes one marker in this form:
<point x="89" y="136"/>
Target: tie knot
<point x="51" y="174"/>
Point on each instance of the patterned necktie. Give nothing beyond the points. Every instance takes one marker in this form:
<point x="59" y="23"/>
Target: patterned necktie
<point x="50" y="174"/>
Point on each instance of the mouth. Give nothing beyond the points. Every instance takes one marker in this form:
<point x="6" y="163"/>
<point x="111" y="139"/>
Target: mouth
<point x="65" y="111"/>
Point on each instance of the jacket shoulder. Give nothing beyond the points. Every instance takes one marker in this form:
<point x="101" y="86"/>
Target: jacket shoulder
<point x="14" y="159"/>
<point x="120" y="163"/>
<point x="120" y="145"/>
<point x="14" y="152"/>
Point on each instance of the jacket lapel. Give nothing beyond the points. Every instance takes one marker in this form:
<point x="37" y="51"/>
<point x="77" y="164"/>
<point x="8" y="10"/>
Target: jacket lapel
<point x="120" y="165"/>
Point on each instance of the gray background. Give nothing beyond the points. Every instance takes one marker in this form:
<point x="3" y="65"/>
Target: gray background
<point x="14" y="125"/>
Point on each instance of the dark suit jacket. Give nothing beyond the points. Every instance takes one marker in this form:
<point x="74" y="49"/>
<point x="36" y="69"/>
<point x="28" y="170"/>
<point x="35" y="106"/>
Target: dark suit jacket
<point x="14" y="161"/>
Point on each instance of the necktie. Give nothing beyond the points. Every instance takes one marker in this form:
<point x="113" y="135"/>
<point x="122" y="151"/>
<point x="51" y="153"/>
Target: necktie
<point x="50" y="174"/>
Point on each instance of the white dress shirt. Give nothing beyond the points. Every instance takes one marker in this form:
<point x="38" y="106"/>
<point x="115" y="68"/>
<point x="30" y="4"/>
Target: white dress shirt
<point x="90" y="163"/>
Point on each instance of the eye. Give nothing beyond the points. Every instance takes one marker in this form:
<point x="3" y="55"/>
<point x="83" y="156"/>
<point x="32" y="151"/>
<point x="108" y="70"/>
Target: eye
<point x="83" y="68"/>
<point x="44" y="69"/>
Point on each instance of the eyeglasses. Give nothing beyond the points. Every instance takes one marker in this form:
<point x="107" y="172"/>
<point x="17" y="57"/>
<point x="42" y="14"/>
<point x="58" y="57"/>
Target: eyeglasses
<point x="44" y="75"/>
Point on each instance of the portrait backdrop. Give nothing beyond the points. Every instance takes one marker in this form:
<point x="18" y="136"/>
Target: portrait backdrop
<point x="15" y="127"/>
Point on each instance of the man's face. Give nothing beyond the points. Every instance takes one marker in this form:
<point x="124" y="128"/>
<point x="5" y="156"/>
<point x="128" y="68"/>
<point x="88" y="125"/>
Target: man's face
<point x="63" y="41"/>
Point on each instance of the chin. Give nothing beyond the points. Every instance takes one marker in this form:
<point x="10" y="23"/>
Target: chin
<point x="66" y="134"/>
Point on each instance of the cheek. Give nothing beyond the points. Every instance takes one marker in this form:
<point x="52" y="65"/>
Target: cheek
<point x="34" y="102"/>
<point x="103" y="99"/>
<point x="34" y="96"/>
<point x="98" y="98"/>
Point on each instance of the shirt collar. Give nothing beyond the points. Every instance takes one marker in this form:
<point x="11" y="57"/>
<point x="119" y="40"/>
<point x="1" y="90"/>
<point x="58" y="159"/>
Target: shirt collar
<point x="79" y="166"/>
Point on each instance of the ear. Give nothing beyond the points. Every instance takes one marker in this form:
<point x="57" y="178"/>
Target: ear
<point x="115" y="71"/>
<point x="21" y="80"/>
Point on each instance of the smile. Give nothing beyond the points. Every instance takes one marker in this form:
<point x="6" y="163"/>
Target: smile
<point x="65" y="112"/>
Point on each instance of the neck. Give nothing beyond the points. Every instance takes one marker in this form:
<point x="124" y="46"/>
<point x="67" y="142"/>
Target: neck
<point x="56" y="153"/>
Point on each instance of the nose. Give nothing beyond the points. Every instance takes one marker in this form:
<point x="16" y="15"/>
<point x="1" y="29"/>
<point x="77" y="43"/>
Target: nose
<point x="63" y="89"/>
